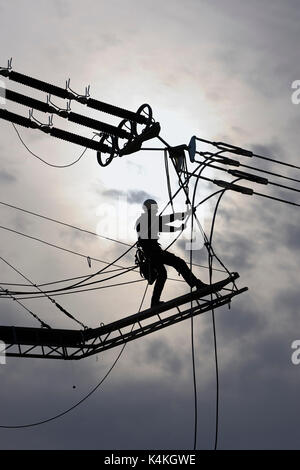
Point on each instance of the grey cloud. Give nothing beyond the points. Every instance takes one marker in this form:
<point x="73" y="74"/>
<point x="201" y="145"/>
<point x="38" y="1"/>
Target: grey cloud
<point x="292" y="236"/>
<point x="273" y="150"/>
<point x="6" y="177"/>
<point x="63" y="8"/>
<point x="21" y="223"/>
<point x="242" y="321"/>
<point x="159" y="353"/>
<point x="138" y="197"/>
<point x="236" y="252"/>
<point x="287" y="301"/>
<point x="132" y="196"/>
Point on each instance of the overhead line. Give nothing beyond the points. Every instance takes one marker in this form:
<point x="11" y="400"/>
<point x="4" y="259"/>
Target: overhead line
<point x="34" y="315"/>
<point x="73" y="227"/>
<point x="269" y="182"/>
<point x="67" y="114"/>
<point x="59" y="247"/>
<point x="38" y="296"/>
<point x="50" y="292"/>
<point x="224" y="147"/>
<point x="61" y="223"/>
<point x="62" y="309"/>
<point x="269" y="172"/>
<point x="59" y="281"/>
<point x="65" y="93"/>
<point x="276" y="199"/>
<point x="276" y="161"/>
<point x="44" y="161"/>
<point x="253" y="192"/>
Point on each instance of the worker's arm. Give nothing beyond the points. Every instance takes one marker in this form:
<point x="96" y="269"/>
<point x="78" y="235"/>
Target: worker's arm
<point x="166" y="219"/>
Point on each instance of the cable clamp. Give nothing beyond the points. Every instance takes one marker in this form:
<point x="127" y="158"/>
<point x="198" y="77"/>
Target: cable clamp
<point x="73" y="95"/>
<point x="208" y="247"/>
<point x="56" y="109"/>
<point x="42" y="126"/>
<point x="6" y="70"/>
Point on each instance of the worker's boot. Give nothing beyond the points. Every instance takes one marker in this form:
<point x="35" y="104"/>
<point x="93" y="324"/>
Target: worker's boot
<point x="199" y="284"/>
<point x="156" y="303"/>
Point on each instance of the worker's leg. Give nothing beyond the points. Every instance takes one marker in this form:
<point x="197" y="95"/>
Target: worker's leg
<point x="159" y="283"/>
<point x="180" y="265"/>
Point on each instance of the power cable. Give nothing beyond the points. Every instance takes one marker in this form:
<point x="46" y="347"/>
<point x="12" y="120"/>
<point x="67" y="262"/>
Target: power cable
<point x="276" y="161"/>
<point x="211" y="256"/>
<point x="81" y="290"/>
<point x="168" y="179"/>
<point x="42" y="323"/>
<point x="45" y="292"/>
<point x="70" y="226"/>
<point x="192" y="325"/>
<point x="256" y="193"/>
<point x="58" y="247"/>
<point x="44" y="161"/>
<point x="38" y="423"/>
<point x="61" y="223"/>
<point x="268" y="182"/>
<point x="57" y="305"/>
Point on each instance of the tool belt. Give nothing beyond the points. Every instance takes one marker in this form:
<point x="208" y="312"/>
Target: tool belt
<point x="146" y="267"/>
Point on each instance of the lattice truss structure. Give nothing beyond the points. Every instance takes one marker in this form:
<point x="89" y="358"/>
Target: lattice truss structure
<point x="74" y="345"/>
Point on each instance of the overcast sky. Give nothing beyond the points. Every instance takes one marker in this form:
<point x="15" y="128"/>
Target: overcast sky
<point x="221" y="70"/>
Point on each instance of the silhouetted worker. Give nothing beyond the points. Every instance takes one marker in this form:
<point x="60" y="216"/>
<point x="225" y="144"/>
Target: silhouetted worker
<point x="148" y="226"/>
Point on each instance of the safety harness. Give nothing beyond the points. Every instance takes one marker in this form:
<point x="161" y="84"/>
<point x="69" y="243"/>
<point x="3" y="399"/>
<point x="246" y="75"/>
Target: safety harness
<point x="143" y="262"/>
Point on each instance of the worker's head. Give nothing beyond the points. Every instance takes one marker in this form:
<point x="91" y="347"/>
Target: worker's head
<point x="150" y="205"/>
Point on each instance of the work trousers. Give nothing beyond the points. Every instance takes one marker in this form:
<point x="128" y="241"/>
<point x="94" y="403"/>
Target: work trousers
<point x="158" y="258"/>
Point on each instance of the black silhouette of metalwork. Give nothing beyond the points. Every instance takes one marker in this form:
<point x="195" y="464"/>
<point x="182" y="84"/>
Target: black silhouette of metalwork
<point x="126" y="138"/>
<point x="74" y="345"/>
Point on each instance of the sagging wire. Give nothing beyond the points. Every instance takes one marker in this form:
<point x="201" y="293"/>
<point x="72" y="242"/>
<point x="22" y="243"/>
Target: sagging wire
<point x="210" y="254"/>
<point x="34" y="315"/>
<point x="59" y="415"/>
<point x="45" y="292"/>
<point x="59" y="247"/>
<point x="44" y="161"/>
<point x="192" y="325"/>
<point x="61" y="223"/>
<point x="57" y="282"/>
<point x="193" y="210"/>
<point x="57" y="305"/>
<point x="210" y="262"/>
<point x="73" y="227"/>
<point x="83" y="290"/>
